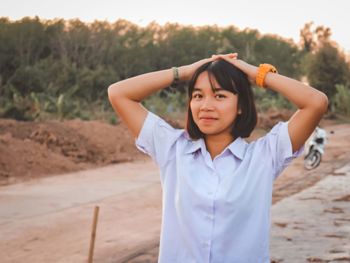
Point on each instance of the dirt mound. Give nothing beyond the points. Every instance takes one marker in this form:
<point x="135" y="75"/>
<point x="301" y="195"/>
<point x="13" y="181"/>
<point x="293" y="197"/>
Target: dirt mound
<point x="24" y="159"/>
<point x="31" y="149"/>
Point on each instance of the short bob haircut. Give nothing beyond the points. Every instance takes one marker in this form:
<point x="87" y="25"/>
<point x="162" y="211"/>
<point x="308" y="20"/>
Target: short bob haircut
<point x="232" y="79"/>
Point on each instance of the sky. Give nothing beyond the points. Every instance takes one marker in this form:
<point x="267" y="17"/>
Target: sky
<point x="284" y="18"/>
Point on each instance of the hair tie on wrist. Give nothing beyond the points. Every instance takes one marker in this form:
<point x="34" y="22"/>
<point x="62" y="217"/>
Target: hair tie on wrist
<point x="176" y="75"/>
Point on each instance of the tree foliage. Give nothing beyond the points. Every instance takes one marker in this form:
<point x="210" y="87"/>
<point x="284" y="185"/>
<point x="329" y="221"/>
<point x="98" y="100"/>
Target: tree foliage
<point x="63" y="67"/>
<point x="326" y="66"/>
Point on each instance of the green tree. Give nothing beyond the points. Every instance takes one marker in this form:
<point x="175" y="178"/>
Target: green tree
<point x="327" y="68"/>
<point x="307" y="41"/>
<point x="280" y="52"/>
<point x="61" y="67"/>
<point x="341" y="100"/>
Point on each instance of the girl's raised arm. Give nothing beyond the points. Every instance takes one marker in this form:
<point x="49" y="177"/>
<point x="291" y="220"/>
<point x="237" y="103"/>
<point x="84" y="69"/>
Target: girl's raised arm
<point x="312" y="104"/>
<point x="126" y="95"/>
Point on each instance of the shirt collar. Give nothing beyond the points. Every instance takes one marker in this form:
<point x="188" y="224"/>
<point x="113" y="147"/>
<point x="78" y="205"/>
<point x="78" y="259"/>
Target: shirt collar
<point x="195" y="145"/>
<point x="237" y="147"/>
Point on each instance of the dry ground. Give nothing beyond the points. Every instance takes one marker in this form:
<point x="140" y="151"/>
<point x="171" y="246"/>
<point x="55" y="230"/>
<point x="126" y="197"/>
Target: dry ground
<point x="30" y="152"/>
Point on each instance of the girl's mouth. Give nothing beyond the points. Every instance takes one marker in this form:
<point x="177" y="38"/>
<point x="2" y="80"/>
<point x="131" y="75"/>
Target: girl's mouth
<point x="207" y="119"/>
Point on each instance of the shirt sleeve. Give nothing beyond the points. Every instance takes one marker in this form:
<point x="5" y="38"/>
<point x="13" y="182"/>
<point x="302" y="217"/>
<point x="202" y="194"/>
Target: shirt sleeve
<point x="280" y="148"/>
<point x="157" y="139"/>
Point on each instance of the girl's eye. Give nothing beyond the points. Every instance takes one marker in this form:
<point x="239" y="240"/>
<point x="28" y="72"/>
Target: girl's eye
<point x="220" y="96"/>
<point x="196" y="96"/>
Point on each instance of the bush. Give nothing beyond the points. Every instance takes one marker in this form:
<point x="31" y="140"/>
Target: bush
<point x="266" y="99"/>
<point x="341" y="100"/>
<point x="24" y="108"/>
<point x="172" y="102"/>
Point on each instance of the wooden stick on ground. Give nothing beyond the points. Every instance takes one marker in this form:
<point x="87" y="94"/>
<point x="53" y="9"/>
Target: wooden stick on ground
<point x="93" y="235"/>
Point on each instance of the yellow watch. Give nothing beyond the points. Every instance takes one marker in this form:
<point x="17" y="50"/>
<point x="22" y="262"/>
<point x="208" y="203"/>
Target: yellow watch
<point x="261" y="75"/>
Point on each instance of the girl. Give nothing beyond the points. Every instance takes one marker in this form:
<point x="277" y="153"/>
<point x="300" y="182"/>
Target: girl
<point x="216" y="187"/>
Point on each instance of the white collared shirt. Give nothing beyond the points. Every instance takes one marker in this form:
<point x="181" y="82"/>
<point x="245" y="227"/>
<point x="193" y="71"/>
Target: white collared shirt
<point x="215" y="211"/>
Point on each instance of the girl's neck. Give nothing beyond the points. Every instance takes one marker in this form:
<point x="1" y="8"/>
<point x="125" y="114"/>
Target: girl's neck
<point x="215" y="144"/>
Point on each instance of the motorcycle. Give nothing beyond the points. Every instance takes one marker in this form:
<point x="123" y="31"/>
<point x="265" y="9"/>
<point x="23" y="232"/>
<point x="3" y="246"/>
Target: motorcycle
<point x="315" y="149"/>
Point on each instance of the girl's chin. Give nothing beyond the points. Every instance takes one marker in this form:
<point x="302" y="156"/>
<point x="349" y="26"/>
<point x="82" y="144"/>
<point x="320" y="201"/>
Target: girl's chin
<point x="210" y="130"/>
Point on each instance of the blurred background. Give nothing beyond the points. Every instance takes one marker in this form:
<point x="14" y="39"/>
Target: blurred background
<point x="57" y="59"/>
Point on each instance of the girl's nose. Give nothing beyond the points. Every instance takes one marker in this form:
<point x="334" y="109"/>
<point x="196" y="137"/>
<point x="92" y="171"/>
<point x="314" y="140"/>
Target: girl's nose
<point x="207" y="104"/>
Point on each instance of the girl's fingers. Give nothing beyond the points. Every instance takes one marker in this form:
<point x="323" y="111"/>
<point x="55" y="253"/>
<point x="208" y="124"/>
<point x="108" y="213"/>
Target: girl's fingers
<point x="230" y="55"/>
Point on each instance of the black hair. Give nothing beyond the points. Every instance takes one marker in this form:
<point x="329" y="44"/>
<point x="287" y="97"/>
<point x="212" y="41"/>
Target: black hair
<point x="232" y="79"/>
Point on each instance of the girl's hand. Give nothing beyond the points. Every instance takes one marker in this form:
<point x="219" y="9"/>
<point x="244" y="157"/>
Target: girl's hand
<point x="248" y="69"/>
<point x="187" y="71"/>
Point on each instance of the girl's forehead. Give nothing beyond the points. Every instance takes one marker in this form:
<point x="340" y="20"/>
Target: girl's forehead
<point x="206" y="81"/>
<point x="205" y="77"/>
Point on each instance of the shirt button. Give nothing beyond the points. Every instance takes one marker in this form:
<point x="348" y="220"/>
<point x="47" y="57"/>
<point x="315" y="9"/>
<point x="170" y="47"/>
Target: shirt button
<point x="210" y="217"/>
<point x="206" y="244"/>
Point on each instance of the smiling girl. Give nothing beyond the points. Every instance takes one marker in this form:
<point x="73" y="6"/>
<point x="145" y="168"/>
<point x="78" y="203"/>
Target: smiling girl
<point x="217" y="188"/>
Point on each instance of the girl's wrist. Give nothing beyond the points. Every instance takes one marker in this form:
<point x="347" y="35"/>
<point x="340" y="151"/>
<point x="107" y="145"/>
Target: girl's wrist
<point x="183" y="73"/>
<point x="252" y="71"/>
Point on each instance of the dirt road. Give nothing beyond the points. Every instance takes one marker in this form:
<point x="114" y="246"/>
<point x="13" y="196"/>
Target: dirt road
<point x="313" y="225"/>
<point x="49" y="219"/>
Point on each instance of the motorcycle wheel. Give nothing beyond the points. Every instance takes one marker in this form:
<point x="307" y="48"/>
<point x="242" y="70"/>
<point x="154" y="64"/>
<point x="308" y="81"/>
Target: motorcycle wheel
<point x="313" y="160"/>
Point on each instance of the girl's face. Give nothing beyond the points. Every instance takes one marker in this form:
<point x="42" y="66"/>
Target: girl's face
<point x="214" y="112"/>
